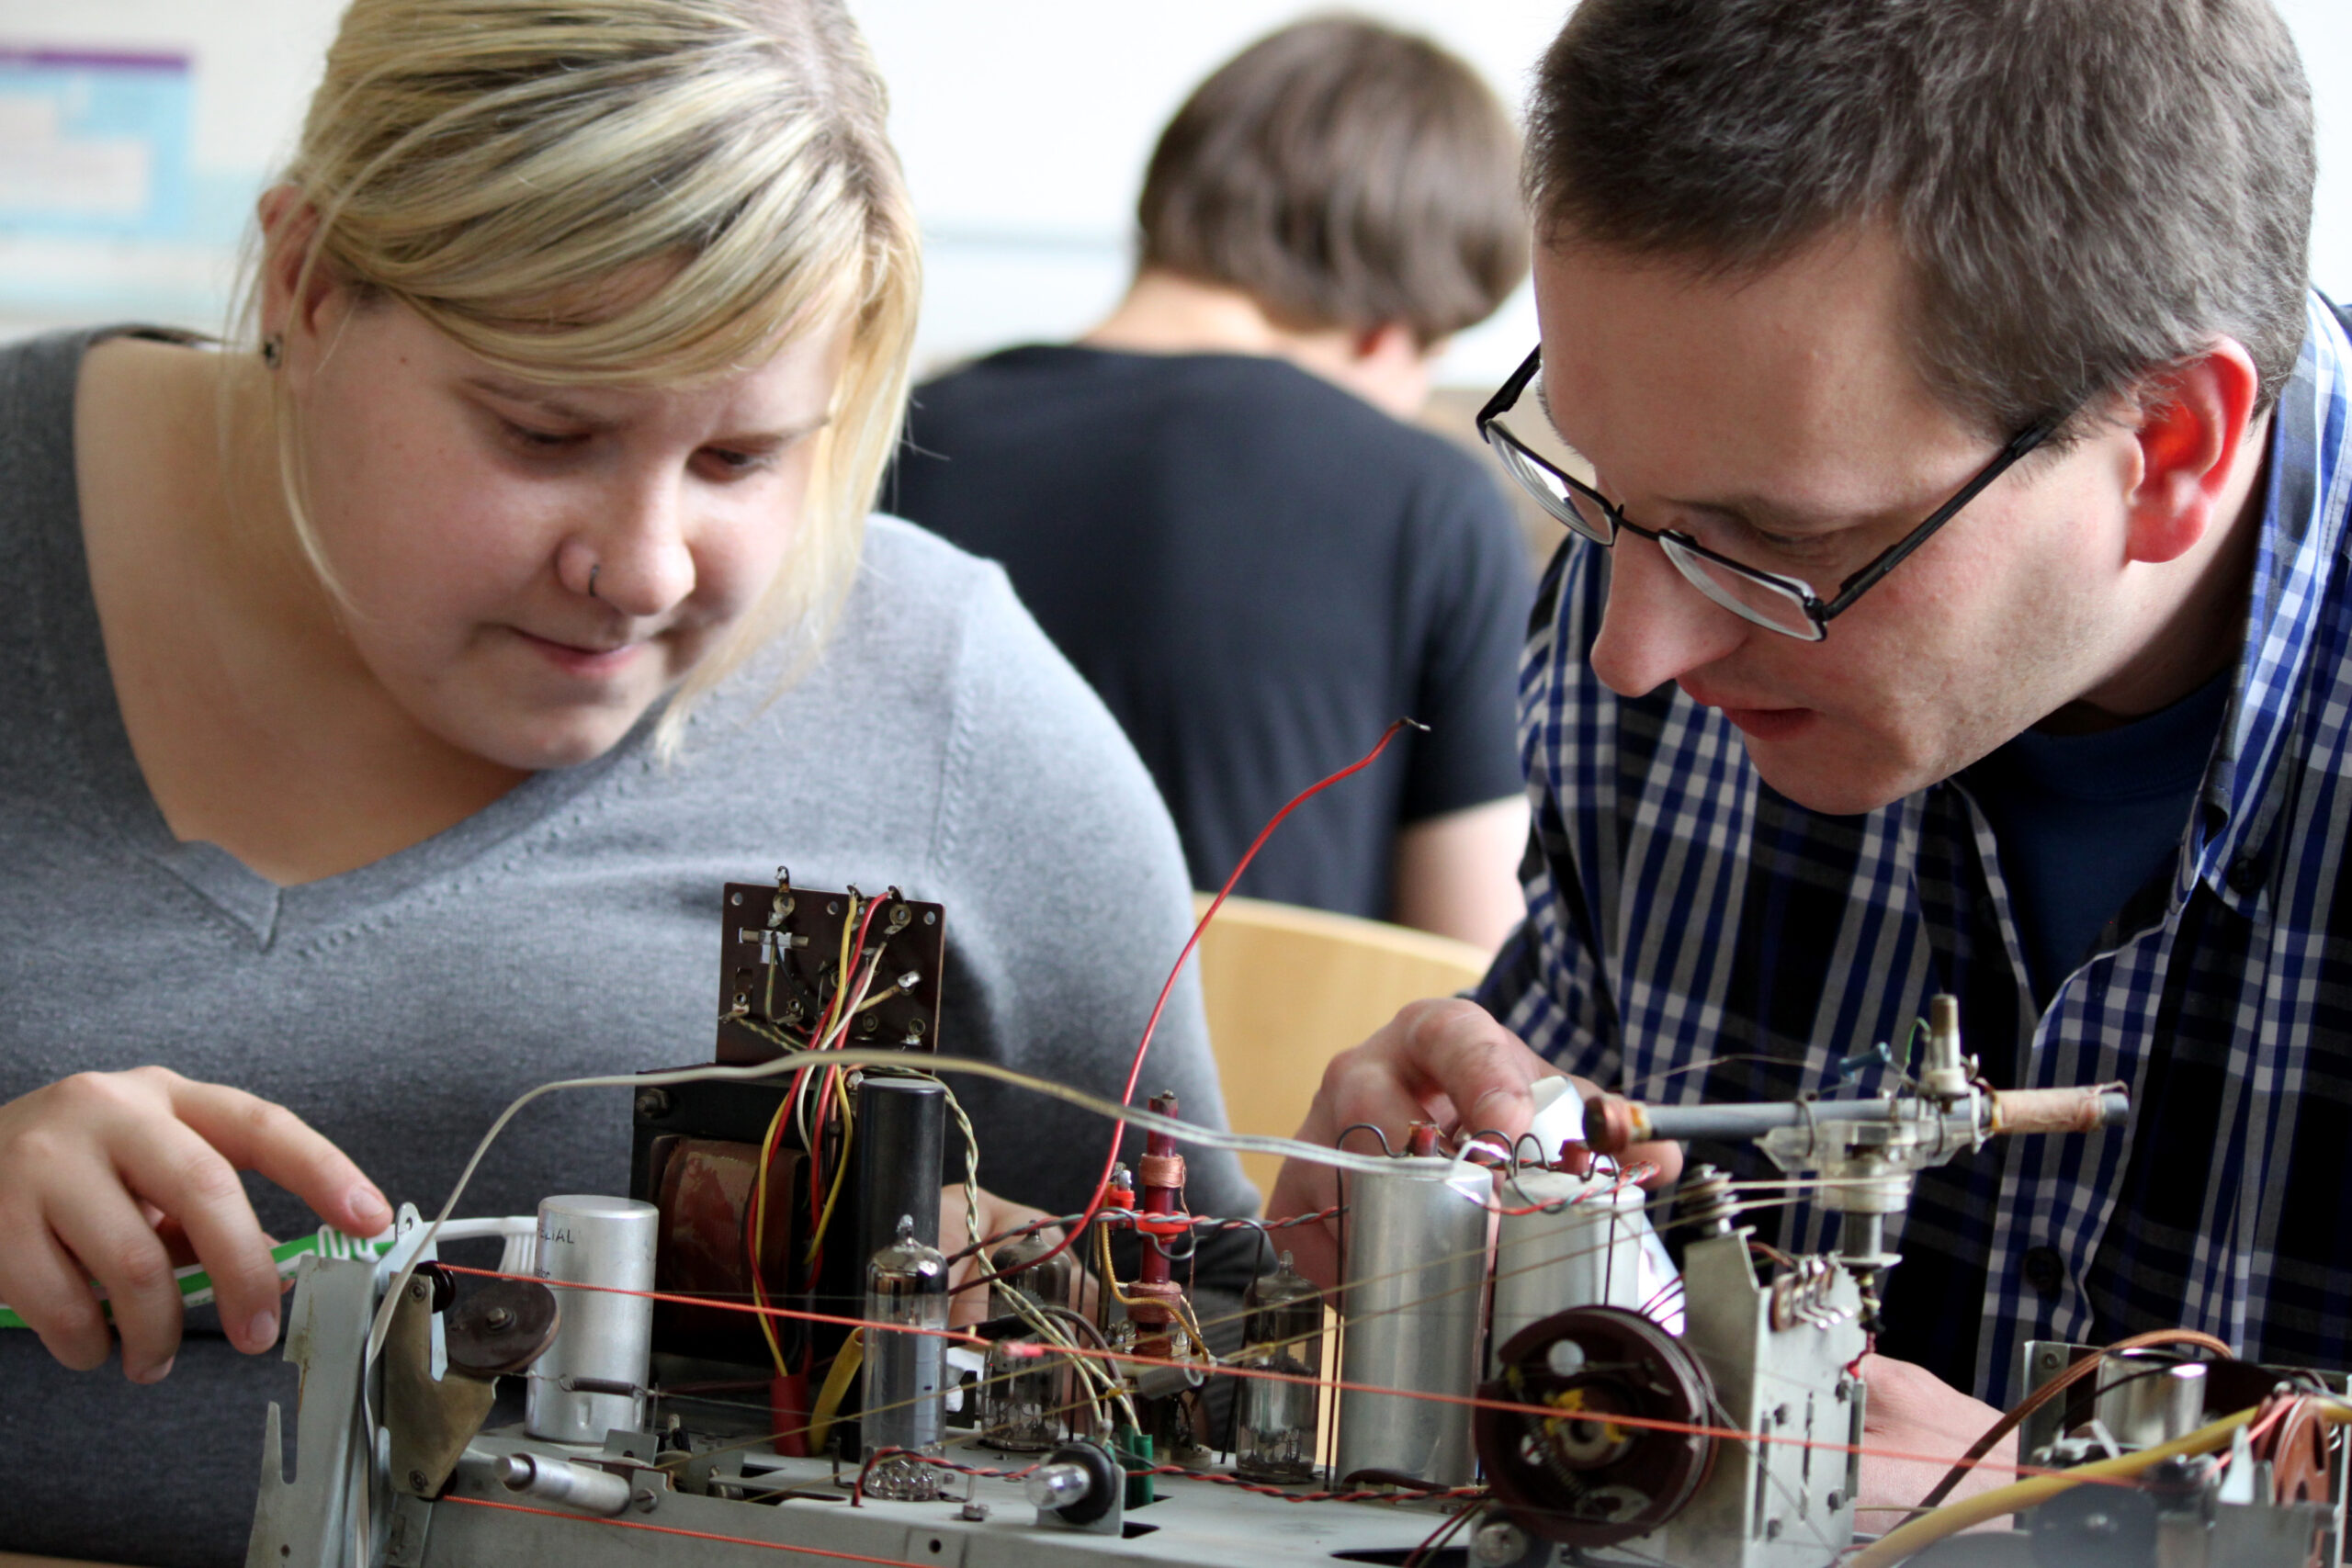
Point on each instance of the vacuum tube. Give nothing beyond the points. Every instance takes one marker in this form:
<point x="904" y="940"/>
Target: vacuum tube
<point x="1273" y="1417"/>
<point x="906" y="1290"/>
<point x="1021" y="1396"/>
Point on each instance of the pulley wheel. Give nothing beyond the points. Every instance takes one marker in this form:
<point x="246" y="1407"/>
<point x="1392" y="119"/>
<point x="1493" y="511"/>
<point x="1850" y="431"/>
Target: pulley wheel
<point x="1578" y="1477"/>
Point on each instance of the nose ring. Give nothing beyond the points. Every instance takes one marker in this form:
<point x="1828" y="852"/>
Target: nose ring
<point x="591" y="582"/>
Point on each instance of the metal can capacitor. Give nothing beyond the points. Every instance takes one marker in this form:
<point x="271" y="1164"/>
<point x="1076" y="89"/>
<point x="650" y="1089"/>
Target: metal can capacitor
<point x="592" y="1379"/>
<point x="1415" y="1269"/>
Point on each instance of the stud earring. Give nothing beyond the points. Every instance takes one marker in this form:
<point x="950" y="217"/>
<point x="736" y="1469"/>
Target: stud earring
<point x="272" y="352"/>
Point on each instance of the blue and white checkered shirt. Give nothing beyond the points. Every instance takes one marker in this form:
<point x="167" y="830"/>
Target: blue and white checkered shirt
<point x="1680" y="911"/>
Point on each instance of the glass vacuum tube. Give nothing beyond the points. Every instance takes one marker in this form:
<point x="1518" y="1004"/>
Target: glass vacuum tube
<point x="1273" y="1417"/>
<point x="906" y="1288"/>
<point x="1021" y="1396"/>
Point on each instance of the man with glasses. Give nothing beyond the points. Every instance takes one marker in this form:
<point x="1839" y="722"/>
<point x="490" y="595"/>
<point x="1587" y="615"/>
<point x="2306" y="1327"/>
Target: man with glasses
<point x="1955" y="457"/>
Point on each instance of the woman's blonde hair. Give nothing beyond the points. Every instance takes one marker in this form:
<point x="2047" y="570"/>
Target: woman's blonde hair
<point x="631" y="191"/>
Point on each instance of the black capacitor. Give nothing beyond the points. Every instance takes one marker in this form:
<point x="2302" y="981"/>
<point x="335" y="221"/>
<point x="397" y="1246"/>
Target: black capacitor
<point x="900" y="1143"/>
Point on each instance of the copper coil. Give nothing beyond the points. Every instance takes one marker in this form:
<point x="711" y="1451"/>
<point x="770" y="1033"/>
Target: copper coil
<point x="1163" y="1170"/>
<point x="1154" y="1302"/>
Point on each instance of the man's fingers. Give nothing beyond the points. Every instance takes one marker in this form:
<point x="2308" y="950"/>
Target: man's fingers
<point x="254" y="1134"/>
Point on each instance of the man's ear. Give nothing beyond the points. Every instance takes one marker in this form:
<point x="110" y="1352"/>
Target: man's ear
<point x="295" y="291"/>
<point x="2191" y="426"/>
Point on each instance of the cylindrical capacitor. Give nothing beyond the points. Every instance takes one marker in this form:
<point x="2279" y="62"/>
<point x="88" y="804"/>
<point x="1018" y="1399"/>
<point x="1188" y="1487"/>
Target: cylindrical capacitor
<point x="1274" y="1419"/>
<point x="1595" y="1249"/>
<point x="1416" y="1268"/>
<point x="901" y="1136"/>
<point x="592" y="1379"/>
<point x="1022" y="1393"/>
<point x="906" y="1362"/>
<point x="2149" y="1396"/>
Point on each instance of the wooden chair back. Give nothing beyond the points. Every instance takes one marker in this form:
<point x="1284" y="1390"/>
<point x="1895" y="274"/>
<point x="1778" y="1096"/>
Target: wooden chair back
<point x="1289" y="988"/>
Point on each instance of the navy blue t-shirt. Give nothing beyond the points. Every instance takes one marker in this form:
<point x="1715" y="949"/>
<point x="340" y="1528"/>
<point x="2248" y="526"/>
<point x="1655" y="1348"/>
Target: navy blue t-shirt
<point x="2085" y="822"/>
<point x="1257" y="571"/>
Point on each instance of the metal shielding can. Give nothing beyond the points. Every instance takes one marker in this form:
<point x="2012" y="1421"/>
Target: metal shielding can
<point x="1585" y="1251"/>
<point x="592" y="1379"/>
<point x="1415" y="1275"/>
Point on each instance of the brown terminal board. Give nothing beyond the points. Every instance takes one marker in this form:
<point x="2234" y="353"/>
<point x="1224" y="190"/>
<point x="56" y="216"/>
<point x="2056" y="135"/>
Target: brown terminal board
<point x="780" y="966"/>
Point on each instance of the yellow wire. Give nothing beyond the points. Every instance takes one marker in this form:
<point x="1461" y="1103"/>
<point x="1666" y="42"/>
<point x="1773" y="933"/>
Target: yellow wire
<point x="1954" y="1517"/>
<point x="841" y="1174"/>
<point x="829" y="1398"/>
<point x="760" y="1235"/>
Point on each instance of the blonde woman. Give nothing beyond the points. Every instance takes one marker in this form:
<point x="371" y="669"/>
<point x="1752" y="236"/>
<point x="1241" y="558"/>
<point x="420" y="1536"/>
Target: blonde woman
<point x="388" y="696"/>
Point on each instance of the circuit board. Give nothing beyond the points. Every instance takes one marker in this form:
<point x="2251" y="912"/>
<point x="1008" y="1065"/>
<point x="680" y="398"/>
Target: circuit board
<point x="783" y="954"/>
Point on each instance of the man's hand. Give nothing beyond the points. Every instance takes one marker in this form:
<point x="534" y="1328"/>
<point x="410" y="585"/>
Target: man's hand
<point x="105" y="1175"/>
<point x="1911" y="1411"/>
<point x="1445" y="1061"/>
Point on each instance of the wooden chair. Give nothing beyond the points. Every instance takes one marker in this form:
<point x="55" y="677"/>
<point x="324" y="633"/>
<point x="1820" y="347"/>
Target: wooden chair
<point x="1289" y="988"/>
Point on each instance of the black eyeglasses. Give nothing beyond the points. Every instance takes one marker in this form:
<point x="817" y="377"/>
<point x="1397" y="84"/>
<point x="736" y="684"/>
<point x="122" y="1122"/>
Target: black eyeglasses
<point x="1771" y="599"/>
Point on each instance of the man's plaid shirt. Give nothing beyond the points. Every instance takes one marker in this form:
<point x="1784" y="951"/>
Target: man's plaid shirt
<point x="1678" y="911"/>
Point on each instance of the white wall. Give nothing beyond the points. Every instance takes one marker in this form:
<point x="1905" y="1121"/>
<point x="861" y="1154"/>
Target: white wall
<point x="1024" y="125"/>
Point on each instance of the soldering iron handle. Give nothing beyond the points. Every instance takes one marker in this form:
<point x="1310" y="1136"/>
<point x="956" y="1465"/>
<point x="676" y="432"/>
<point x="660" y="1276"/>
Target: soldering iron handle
<point x="2060" y="1110"/>
<point x="1613" y="1124"/>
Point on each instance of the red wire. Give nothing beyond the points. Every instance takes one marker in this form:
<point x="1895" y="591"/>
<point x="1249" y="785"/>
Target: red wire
<point x="1135" y="1071"/>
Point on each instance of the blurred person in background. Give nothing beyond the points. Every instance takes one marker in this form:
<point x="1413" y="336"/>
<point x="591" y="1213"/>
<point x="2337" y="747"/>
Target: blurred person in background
<point x="1214" y="504"/>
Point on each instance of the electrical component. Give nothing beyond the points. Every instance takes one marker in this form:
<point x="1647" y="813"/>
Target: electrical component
<point x="1588" y="1242"/>
<point x="1580" y="1476"/>
<point x="1274" y="1417"/>
<point x="592" y="1379"/>
<point x="1411" y="1314"/>
<point x="1024" y="1391"/>
<point x="780" y="969"/>
<point x="904" y="1417"/>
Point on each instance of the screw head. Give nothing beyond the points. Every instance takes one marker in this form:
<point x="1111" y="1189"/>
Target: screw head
<point x="416" y="1481"/>
<point x="653" y="1102"/>
<point x="499" y="1317"/>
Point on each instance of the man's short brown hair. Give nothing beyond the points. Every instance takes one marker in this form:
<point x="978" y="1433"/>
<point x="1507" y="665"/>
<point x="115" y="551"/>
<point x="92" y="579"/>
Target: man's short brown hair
<point x="2086" y="189"/>
<point x="1342" y="175"/>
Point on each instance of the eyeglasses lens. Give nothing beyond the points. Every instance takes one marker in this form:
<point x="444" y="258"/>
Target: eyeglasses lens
<point x="1748" y="597"/>
<point x="1558" y="496"/>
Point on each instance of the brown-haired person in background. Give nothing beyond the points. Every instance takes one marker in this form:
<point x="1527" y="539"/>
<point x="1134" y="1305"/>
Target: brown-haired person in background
<point x="1213" y="507"/>
<point x="1959" y="602"/>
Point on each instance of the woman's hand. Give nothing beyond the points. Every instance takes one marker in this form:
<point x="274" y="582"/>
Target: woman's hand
<point x="103" y="1174"/>
<point x="1445" y="1061"/>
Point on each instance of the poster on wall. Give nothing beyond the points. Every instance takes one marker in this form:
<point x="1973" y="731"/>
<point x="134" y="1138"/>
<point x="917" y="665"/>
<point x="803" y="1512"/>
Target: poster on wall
<point x="99" y="213"/>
